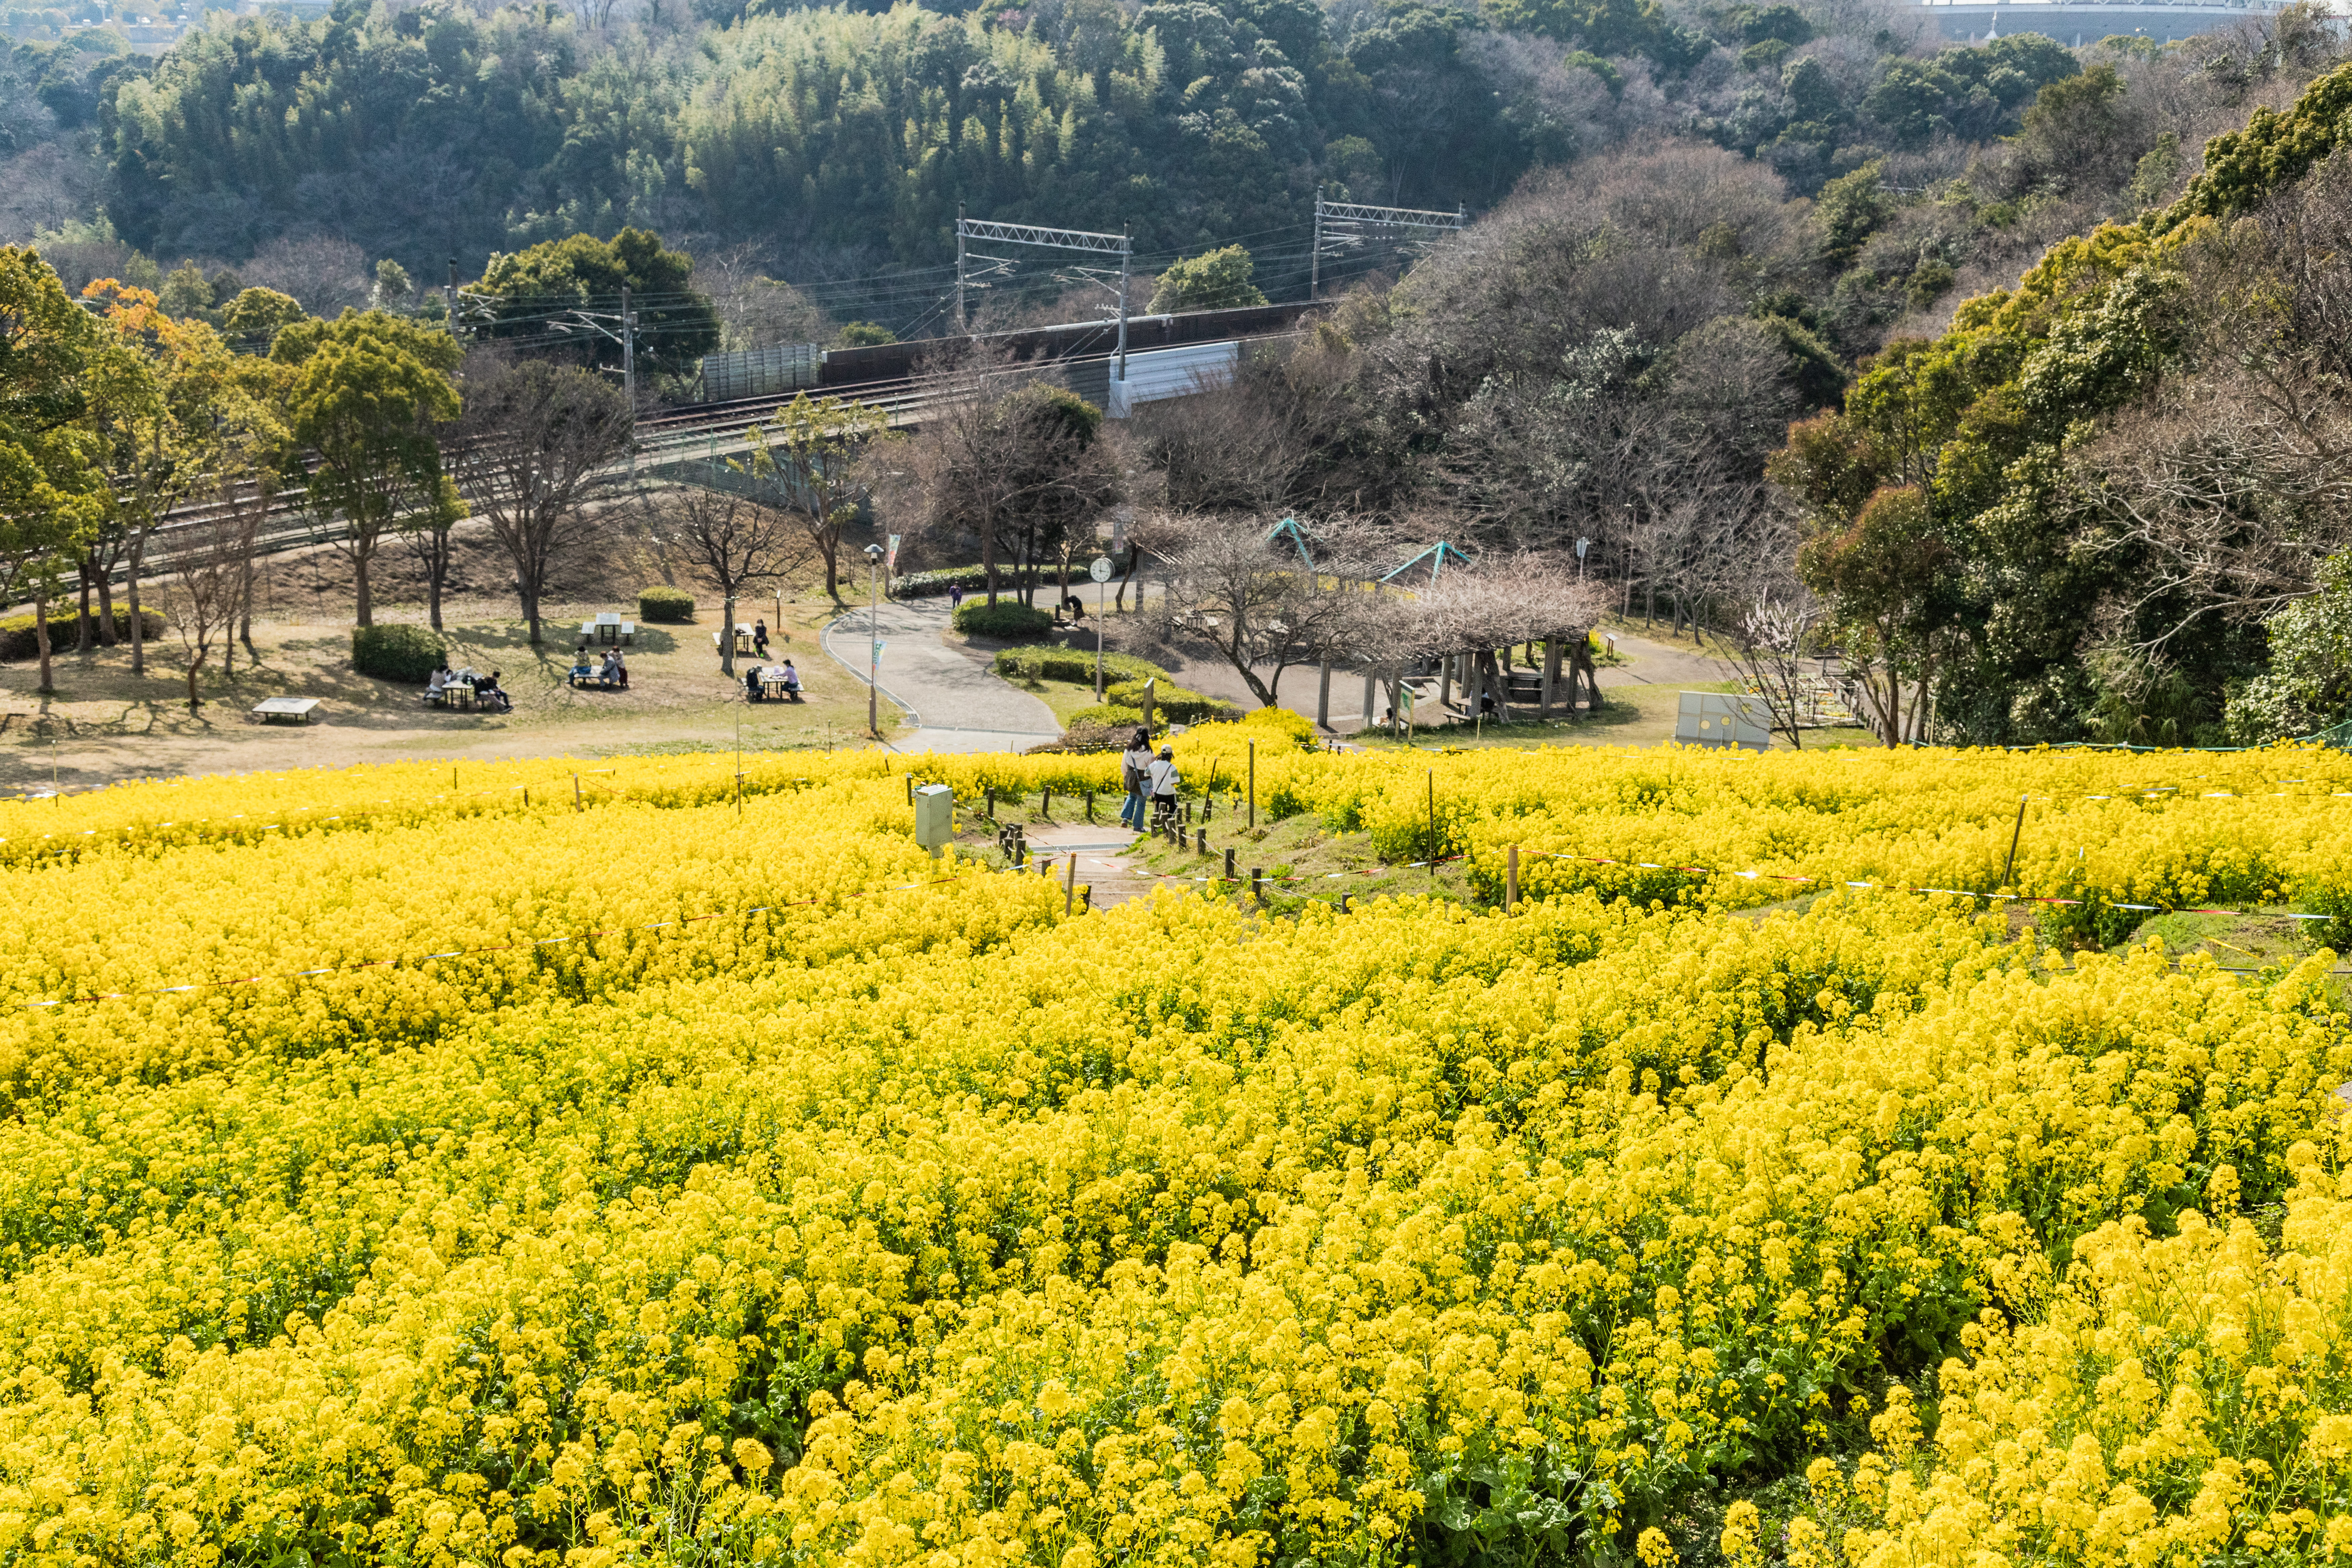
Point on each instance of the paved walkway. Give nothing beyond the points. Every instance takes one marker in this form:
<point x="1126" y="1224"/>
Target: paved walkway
<point x="956" y="702"/>
<point x="1662" y="664"/>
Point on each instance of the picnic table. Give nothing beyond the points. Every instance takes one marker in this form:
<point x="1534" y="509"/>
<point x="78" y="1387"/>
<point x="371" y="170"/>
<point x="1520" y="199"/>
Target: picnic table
<point x="589" y="674"/>
<point x="774" y="683"/>
<point x="744" y="642"/>
<point x="610" y="628"/>
<point x="455" y="695"/>
<point x="269" y="709"/>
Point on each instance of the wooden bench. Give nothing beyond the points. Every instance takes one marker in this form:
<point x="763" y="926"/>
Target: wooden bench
<point x="271" y="710"/>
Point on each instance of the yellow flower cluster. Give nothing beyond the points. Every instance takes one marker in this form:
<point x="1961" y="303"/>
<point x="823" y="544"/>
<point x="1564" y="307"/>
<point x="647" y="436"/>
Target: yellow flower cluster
<point x="891" y="1216"/>
<point x="2180" y="1400"/>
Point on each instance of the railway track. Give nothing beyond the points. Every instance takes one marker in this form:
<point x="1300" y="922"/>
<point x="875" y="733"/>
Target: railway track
<point x="707" y="429"/>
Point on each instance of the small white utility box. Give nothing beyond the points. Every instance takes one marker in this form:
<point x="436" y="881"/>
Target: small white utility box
<point x="1724" y="719"/>
<point x="934" y="818"/>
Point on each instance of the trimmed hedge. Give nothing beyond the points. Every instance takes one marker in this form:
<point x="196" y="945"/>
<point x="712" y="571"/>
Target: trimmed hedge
<point x="400" y="652"/>
<point x="675" y="605"/>
<point x="1042" y="662"/>
<point x="1007" y="618"/>
<point x="1174" y="704"/>
<point x="1106" y="716"/>
<point x="20" y="636"/>
<point x="931" y="585"/>
<point x="1082" y="739"/>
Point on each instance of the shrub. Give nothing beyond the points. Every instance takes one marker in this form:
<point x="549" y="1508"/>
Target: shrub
<point x="1109" y="715"/>
<point x="401" y="652"/>
<point x="21" y="639"/>
<point x="1175" y="704"/>
<point x="1008" y="620"/>
<point x="1080" y="739"/>
<point x="675" y="605"/>
<point x="1297" y="726"/>
<point x="1043" y="662"/>
<point x="931" y="585"/>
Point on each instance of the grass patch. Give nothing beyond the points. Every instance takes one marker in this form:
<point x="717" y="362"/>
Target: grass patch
<point x="2258" y="940"/>
<point x="1320" y="865"/>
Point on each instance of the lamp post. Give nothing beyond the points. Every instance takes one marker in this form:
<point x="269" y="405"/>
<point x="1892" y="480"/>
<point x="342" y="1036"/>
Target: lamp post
<point x="874" y="641"/>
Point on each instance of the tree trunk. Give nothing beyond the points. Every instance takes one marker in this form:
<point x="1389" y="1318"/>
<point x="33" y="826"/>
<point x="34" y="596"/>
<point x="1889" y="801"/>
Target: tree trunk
<point x="987" y="556"/>
<point x="246" y="579"/>
<point x="1551" y="676"/>
<point x="833" y="569"/>
<point x="106" y="638"/>
<point x="195" y="663"/>
<point x="727" y="638"/>
<point x="81" y="622"/>
<point x="41" y="632"/>
<point x="366" y="598"/>
<point x="436" y="571"/>
<point x="531" y="613"/>
<point x="130" y="592"/>
<point x="1323" y="697"/>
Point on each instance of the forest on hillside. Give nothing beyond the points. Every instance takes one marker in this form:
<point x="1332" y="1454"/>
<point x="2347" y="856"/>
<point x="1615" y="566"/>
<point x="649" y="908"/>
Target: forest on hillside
<point x="2013" y="371"/>
<point x="830" y="147"/>
<point x="2108" y="501"/>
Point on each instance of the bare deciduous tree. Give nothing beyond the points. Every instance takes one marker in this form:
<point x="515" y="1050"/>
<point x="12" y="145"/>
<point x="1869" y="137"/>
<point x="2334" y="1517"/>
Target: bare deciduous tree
<point x="814" y="456"/>
<point x="2221" y="496"/>
<point x="529" y="447"/>
<point x="737" y="540"/>
<point x="1775" y="632"/>
<point x="212" y="566"/>
<point x="1005" y="457"/>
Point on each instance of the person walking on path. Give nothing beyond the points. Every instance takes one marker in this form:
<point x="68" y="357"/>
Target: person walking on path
<point x="1162" y="771"/>
<point x="1134" y="772"/>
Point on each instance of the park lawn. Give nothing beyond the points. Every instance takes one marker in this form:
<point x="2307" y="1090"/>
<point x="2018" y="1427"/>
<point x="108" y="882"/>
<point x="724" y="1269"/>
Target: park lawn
<point x="103" y="723"/>
<point x="1064" y="697"/>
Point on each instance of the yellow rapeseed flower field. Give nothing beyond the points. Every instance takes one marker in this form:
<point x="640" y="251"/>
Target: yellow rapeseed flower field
<point x="666" y="1162"/>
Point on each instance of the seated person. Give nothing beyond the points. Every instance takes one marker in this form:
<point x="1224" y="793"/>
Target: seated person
<point x="620" y="669"/>
<point x="792" y="682"/>
<point x="491" y="694"/>
<point x="611" y="672"/>
<point x="751" y="684"/>
<point x="434" y="682"/>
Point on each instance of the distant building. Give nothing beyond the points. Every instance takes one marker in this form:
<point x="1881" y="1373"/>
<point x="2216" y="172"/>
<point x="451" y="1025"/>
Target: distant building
<point x="2076" y="22"/>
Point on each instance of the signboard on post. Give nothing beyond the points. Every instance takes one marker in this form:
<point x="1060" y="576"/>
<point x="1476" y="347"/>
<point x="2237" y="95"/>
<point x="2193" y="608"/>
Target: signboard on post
<point x="890" y="559"/>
